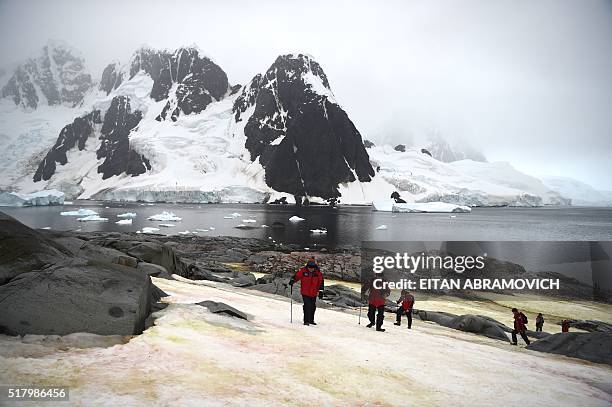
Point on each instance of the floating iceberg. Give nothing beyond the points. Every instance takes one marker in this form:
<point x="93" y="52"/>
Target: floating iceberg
<point x="232" y="216"/>
<point x="211" y="228"/>
<point x="425" y="207"/>
<point x="186" y="232"/>
<point x="148" y="230"/>
<point x="382" y="227"/>
<point x="92" y="218"/>
<point x="249" y="221"/>
<point x="127" y="215"/>
<point x="166" y="225"/>
<point x="124" y="222"/>
<point x="202" y="230"/>
<point x="80" y="212"/>
<point x="318" y="231"/>
<point x="296" y="219"/>
<point x="40" y="198"/>
<point x="165" y="217"/>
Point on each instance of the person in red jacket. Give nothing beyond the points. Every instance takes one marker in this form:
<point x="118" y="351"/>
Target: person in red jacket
<point x="376" y="302"/>
<point x="519" y="326"/>
<point x="565" y="325"/>
<point x="312" y="284"/>
<point x="407" y="302"/>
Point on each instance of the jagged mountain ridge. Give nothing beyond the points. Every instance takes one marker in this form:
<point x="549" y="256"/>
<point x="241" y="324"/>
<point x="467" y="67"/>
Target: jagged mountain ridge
<point x="56" y="76"/>
<point x="184" y="83"/>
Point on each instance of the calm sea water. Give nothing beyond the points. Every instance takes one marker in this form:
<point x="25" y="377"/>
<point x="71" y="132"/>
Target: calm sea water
<point x="345" y="225"/>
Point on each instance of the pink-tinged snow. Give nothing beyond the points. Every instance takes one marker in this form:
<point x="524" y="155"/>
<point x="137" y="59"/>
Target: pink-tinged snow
<point x="192" y="357"/>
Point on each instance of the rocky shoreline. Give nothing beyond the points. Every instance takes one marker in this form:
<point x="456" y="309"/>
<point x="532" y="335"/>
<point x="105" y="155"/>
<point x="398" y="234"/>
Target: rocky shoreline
<point x="61" y="283"/>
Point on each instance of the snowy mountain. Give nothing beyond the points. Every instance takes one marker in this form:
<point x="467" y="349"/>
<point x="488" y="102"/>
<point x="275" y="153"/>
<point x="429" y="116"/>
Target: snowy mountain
<point x="294" y="127"/>
<point x="169" y="126"/>
<point x="419" y="177"/>
<point x="55" y="77"/>
<point x="447" y="152"/>
<point x="579" y="192"/>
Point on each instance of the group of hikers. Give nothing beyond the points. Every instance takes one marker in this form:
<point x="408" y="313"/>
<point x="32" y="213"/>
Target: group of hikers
<point x="312" y="286"/>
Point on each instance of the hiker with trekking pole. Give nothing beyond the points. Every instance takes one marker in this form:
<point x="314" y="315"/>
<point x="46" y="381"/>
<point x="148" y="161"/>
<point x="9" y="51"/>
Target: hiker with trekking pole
<point x="406" y="302"/>
<point x="312" y="285"/>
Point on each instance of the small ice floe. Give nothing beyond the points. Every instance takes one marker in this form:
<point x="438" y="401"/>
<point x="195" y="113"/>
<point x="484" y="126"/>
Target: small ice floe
<point x="211" y="228"/>
<point x="150" y="204"/>
<point x="124" y="222"/>
<point x="232" y="216"/>
<point x="80" y="212"/>
<point x="453" y="216"/>
<point x="127" y="215"/>
<point x="296" y="219"/>
<point x="382" y="227"/>
<point x="92" y="218"/>
<point x="318" y="231"/>
<point x="68" y="203"/>
<point x="46" y="228"/>
<point x="265" y="226"/>
<point x="165" y="217"/>
<point x="106" y="207"/>
<point x="202" y="230"/>
<point x="249" y="220"/>
<point x="166" y="225"/>
<point x="184" y="232"/>
<point x="148" y="230"/>
<point x="245" y="227"/>
<point x="270" y="237"/>
<point x="306" y="248"/>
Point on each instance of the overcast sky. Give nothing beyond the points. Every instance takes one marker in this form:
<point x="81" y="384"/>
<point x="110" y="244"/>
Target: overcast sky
<point x="528" y="82"/>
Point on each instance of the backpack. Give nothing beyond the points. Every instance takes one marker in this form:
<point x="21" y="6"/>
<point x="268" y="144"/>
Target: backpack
<point x="524" y="318"/>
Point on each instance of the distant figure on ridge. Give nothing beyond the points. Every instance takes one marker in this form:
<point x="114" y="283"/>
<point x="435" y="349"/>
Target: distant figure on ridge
<point x="539" y="322"/>
<point x="565" y="325"/>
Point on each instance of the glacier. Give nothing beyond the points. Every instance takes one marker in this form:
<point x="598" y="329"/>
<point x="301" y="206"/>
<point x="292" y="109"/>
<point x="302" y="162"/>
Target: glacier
<point x="40" y="198"/>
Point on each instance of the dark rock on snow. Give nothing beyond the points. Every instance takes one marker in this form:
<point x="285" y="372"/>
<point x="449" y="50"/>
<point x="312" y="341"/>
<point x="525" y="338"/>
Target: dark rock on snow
<point x="590" y="325"/>
<point x="592" y="346"/>
<point x="477" y="324"/>
<point x="111" y="78"/>
<point x="400" y="147"/>
<point x="222" y="308"/>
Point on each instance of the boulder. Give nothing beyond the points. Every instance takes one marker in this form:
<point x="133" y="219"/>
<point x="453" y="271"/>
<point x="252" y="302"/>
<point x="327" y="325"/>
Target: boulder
<point x="590" y="325"/>
<point x="222" y="308"/>
<point x="104" y="299"/>
<point x="23" y="249"/>
<point x="477" y="324"/>
<point x="128" y="261"/>
<point x="150" y="252"/>
<point x="243" y="280"/>
<point x="592" y="346"/>
<point x="342" y="296"/>
<point x="154" y="270"/>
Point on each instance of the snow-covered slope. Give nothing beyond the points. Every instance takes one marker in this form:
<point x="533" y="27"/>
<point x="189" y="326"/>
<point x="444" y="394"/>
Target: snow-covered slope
<point x="421" y="178"/>
<point x="579" y="192"/>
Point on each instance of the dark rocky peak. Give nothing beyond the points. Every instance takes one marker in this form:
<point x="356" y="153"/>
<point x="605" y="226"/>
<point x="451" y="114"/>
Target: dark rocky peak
<point x="56" y="76"/>
<point x="197" y="80"/>
<point x="119" y="158"/>
<point x="301" y="136"/>
<point x="112" y="77"/>
<point x="113" y="131"/>
<point x="72" y="135"/>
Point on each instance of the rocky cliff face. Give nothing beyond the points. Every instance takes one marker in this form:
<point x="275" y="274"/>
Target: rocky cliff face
<point x="300" y="135"/>
<point x="188" y="80"/>
<point x="114" y="146"/>
<point x="57" y="76"/>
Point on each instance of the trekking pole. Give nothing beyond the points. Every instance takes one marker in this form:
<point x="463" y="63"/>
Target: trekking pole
<point x="359" y="312"/>
<point x="291" y="299"/>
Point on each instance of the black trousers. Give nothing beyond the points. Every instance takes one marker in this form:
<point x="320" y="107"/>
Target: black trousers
<point x="539" y="327"/>
<point x="378" y="312"/>
<point x="523" y="335"/>
<point x="310" y="305"/>
<point x="401" y="311"/>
